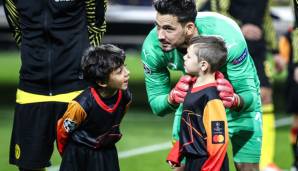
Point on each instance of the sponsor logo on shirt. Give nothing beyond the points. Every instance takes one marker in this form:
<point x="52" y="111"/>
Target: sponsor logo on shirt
<point x="147" y="70"/>
<point x="241" y="57"/>
<point x="218" y="132"/>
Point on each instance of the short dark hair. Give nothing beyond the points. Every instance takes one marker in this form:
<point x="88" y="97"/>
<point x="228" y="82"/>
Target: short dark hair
<point x="98" y="62"/>
<point x="185" y="10"/>
<point x="211" y="49"/>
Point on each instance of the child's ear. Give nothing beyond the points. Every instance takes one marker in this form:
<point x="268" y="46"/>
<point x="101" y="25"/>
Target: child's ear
<point x="204" y="66"/>
<point x="102" y="84"/>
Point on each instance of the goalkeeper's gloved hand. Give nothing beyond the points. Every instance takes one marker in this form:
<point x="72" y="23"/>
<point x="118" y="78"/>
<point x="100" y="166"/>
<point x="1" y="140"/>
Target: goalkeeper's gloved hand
<point x="226" y="92"/>
<point x="174" y="157"/>
<point x="178" y="93"/>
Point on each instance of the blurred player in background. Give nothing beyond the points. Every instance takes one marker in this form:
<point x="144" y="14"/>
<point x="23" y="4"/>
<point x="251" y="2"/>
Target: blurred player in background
<point x="177" y="22"/>
<point x="293" y="108"/>
<point x="288" y="53"/>
<point x="254" y="19"/>
<point x="90" y="128"/>
<point x="52" y="36"/>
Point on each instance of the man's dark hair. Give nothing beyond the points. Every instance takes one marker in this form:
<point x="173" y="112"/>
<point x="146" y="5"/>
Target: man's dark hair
<point x="211" y="49"/>
<point x="98" y="62"/>
<point x="185" y="10"/>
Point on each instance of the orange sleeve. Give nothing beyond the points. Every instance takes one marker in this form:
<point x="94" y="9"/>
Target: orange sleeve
<point x="71" y="119"/>
<point x="284" y="48"/>
<point x="215" y="122"/>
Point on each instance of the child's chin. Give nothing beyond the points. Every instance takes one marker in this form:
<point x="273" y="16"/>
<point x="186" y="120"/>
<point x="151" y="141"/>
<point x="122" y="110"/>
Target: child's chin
<point x="124" y="87"/>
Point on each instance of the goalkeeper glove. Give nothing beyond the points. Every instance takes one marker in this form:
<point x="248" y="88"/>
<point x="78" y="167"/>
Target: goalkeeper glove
<point x="226" y="92"/>
<point x="178" y="93"/>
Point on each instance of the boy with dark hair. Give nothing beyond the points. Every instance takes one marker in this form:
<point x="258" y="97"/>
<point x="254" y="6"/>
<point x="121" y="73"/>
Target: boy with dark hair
<point x="203" y="128"/>
<point x="52" y="36"/>
<point x="89" y="129"/>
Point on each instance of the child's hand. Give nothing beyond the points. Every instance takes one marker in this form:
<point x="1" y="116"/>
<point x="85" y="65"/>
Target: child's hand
<point x="173" y="164"/>
<point x="174" y="157"/>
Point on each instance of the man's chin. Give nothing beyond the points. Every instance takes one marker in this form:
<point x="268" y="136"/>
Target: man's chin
<point x="166" y="48"/>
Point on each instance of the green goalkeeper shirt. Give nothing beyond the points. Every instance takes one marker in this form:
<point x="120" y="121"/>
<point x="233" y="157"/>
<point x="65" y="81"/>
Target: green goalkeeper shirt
<point x="239" y="69"/>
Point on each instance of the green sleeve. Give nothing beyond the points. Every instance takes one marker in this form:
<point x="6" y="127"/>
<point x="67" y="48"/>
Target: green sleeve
<point x="242" y="74"/>
<point x="157" y="76"/>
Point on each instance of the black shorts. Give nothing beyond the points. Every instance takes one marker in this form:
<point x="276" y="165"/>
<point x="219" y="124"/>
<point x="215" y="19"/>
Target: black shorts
<point x="77" y="157"/>
<point x="257" y="50"/>
<point x="33" y="134"/>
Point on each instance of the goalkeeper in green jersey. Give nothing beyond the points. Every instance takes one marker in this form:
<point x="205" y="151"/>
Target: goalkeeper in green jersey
<point x="176" y="23"/>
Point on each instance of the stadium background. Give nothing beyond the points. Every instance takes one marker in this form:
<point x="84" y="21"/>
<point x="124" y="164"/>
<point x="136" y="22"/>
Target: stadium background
<point x="146" y="139"/>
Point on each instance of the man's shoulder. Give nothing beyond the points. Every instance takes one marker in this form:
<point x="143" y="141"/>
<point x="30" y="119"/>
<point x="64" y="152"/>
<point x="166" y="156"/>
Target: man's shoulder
<point x="216" y="22"/>
<point x="151" y="49"/>
<point x="151" y="38"/>
<point x="213" y="17"/>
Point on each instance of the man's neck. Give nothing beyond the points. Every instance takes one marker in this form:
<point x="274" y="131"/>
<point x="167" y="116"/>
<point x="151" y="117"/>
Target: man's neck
<point x="189" y="37"/>
<point x="184" y="46"/>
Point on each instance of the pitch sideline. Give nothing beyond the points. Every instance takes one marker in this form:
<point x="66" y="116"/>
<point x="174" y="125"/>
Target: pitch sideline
<point x="163" y="146"/>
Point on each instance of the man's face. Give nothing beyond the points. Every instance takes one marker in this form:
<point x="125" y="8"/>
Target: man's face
<point x="171" y="34"/>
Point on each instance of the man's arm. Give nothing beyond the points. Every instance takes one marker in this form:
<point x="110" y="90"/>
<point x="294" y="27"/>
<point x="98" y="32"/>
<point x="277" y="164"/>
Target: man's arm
<point x="243" y="76"/>
<point x="158" y="88"/>
<point x="157" y="76"/>
<point x="12" y="16"/>
<point x="95" y="13"/>
<point x="269" y="30"/>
